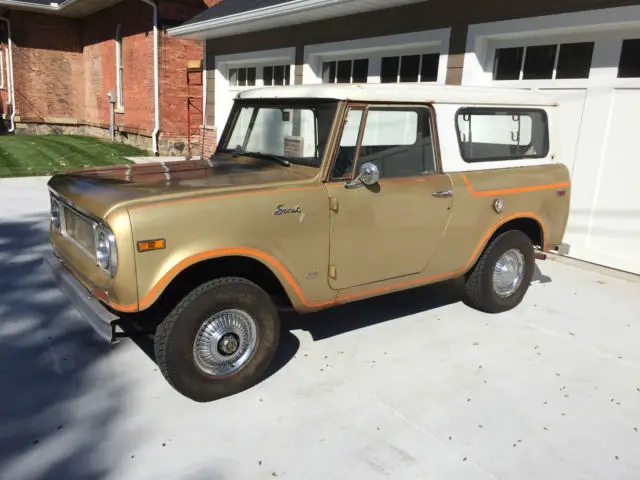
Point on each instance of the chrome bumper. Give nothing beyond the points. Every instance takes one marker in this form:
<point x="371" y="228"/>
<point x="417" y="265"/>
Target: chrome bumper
<point x="101" y="319"/>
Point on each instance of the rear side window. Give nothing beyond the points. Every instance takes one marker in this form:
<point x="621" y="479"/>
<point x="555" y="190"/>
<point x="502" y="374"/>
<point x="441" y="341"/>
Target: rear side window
<point x="490" y="134"/>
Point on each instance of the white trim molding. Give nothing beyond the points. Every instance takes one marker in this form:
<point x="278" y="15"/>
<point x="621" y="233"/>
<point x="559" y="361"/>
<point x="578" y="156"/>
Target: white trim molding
<point x="429" y="41"/>
<point x="483" y="38"/>
<point x="285" y="14"/>
<point x="223" y="91"/>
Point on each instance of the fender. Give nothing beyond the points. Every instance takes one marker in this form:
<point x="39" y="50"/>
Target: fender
<point x="274" y="265"/>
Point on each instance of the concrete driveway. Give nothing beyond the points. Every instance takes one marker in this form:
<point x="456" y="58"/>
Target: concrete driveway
<point x="413" y="385"/>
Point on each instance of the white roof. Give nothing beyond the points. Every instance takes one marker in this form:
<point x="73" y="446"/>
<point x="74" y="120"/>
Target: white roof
<point x="403" y="92"/>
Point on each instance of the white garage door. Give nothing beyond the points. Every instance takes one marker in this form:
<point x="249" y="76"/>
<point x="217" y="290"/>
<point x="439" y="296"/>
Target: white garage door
<point x="235" y="73"/>
<point x="594" y="71"/>
<point x="418" y="57"/>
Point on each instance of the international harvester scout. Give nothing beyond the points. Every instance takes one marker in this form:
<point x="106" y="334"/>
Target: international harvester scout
<point x="316" y="196"/>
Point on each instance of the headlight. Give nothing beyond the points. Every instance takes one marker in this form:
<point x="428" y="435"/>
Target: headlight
<point x="55" y="214"/>
<point x="106" y="252"/>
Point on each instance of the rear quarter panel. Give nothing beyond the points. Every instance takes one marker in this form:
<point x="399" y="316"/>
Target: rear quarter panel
<point x="527" y="192"/>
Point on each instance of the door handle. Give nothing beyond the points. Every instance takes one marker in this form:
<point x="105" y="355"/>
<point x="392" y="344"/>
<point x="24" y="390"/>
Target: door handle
<point x="443" y="193"/>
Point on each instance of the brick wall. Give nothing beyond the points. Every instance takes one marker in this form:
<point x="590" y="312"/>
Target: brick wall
<point x="99" y="33"/>
<point x="175" y="53"/>
<point x="64" y="68"/>
<point x="48" y="69"/>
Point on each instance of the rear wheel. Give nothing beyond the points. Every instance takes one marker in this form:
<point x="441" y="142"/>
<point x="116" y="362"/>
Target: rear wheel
<point x="219" y="340"/>
<point x="502" y="275"/>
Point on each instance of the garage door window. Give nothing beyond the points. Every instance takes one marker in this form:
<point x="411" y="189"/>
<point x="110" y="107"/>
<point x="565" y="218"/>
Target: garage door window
<point x="242" y="77"/>
<point x="345" y="71"/>
<point x="276" y="75"/>
<point x="502" y="134"/>
<point x="629" y="66"/>
<point x="410" y="68"/>
<point x="544" y="62"/>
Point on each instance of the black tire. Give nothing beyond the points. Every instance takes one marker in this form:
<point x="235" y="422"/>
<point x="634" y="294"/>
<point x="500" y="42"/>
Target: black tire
<point x="479" y="292"/>
<point x="175" y="338"/>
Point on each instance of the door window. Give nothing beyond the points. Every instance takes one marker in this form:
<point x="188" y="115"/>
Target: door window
<point x="398" y="140"/>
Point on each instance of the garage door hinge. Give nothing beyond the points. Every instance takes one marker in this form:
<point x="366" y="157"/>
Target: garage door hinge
<point x="332" y="272"/>
<point x="333" y="204"/>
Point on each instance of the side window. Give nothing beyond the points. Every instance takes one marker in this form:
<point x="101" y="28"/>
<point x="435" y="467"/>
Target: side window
<point x="490" y="134"/>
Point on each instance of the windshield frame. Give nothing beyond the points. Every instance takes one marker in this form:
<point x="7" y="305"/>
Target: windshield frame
<point x="285" y="103"/>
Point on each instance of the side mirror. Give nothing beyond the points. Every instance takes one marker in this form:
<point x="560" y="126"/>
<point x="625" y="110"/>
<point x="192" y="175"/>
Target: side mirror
<point x="369" y="175"/>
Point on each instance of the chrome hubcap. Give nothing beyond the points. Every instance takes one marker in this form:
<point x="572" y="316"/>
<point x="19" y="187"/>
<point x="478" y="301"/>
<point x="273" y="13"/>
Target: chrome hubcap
<point x="508" y="273"/>
<point x="225" y="342"/>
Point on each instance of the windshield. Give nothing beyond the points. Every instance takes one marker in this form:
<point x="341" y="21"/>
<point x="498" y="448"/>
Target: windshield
<point x="297" y="132"/>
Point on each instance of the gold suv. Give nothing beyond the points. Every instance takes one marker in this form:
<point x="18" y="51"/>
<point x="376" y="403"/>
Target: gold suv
<point x="316" y="196"/>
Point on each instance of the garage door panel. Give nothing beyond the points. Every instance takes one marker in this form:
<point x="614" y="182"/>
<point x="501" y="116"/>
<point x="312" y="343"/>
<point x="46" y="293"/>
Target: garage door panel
<point x="571" y="107"/>
<point x="615" y="219"/>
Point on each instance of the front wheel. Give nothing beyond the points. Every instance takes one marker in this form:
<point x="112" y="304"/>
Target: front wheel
<point x="219" y="340"/>
<point x="500" y="279"/>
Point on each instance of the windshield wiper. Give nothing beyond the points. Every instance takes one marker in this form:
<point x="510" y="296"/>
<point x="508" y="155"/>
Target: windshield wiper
<point x="267" y="156"/>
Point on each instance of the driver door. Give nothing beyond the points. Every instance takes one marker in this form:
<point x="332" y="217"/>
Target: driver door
<point x="391" y="228"/>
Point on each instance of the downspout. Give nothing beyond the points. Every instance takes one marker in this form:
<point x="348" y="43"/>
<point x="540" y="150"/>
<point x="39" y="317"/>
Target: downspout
<point x="156" y="73"/>
<point x="10" y="78"/>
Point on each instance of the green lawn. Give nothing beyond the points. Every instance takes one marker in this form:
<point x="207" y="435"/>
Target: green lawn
<point x="28" y="155"/>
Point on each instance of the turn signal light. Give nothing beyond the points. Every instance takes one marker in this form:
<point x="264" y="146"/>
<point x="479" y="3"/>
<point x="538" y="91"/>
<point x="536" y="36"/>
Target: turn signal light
<point x="149" y="245"/>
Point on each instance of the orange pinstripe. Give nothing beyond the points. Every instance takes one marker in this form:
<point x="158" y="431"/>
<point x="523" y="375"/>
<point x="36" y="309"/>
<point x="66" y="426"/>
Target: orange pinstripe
<point x="508" y="191"/>
<point x="155" y="290"/>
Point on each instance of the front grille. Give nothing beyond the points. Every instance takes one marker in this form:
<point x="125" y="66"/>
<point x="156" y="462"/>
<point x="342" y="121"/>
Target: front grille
<point x="79" y="229"/>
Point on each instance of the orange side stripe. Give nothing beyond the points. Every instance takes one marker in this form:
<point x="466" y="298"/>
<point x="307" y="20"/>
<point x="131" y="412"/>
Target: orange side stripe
<point x="508" y="191"/>
<point x="294" y="285"/>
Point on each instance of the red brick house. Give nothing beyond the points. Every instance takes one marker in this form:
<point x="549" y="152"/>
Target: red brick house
<point x="61" y="62"/>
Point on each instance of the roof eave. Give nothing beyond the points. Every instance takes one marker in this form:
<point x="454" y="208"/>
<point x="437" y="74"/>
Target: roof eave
<point x="72" y="8"/>
<point x="281" y="15"/>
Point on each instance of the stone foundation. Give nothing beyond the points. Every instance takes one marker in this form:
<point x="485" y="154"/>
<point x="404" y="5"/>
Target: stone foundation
<point x="167" y="146"/>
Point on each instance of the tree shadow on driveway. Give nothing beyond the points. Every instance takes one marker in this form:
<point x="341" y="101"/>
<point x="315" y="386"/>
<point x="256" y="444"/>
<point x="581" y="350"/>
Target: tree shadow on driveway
<point x="55" y="413"/>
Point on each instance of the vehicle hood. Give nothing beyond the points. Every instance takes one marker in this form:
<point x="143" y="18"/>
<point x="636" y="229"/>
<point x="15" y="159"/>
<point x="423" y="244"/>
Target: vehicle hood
<point x="99" y="190"/>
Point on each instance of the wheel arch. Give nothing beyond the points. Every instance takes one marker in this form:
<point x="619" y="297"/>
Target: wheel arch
<point x="531" y="225"/>
<point x="204" y="270"/>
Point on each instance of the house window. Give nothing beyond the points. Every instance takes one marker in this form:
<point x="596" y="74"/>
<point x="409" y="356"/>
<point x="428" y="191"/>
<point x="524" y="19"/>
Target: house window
<point x="544" y="62"/>
<point x="410" y="68"/>
<point x="119" y="69"/>
<point x="490" y="134"/>
<point x="276" y="75"/>
<point x="345" y="71"/>
<point x="629" y="65"/>
<point x="242" y="77"/>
